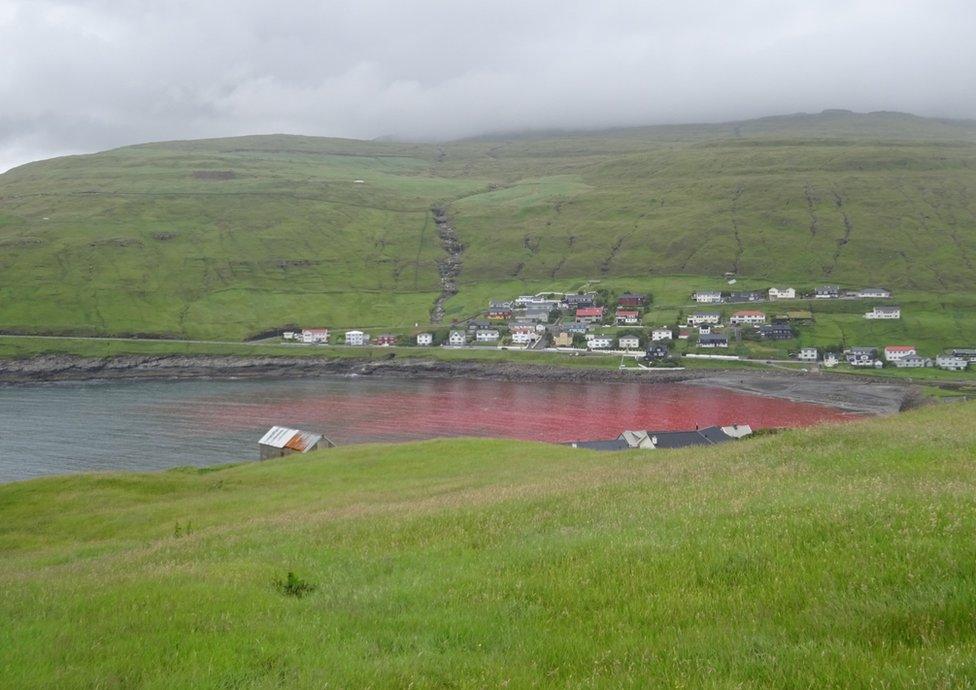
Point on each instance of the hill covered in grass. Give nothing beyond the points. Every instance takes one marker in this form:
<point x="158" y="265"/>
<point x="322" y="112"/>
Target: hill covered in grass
<point x="233" y="237"/>
<point x="839" y="556"/>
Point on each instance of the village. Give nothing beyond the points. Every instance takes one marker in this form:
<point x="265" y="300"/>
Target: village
<point x="591" y="321"/>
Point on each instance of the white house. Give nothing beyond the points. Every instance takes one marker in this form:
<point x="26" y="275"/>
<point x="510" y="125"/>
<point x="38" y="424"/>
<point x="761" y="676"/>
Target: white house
<point x="913" y="362"/>
<point x="892" y="353"/>
<point x="700" y="317"/>
<point x="457" y="338"/>
<point x="425" y="339"/>
<point x="661" y="334"/>
<point x="874" y="293"/>
<point x="600" y="342"/>
<point x="863" y="357"/>
<point x="315" y="335"/>
<point x="884" y="313"/>
<point x="782" y="293"/>
<point x="951" y="362"/>
<point x="356" y="338"/>
<point x="489" y="335"/>
<point x="523" y="336"/>
<point x="707" y="297"/>
<point x="629" y="342"/>
<point x="288" y="335"/>
<point x="831" y="360"/>
<point x="827" y="292"/>
<point x="748" y="317"/>
<point x="808" y="354"/>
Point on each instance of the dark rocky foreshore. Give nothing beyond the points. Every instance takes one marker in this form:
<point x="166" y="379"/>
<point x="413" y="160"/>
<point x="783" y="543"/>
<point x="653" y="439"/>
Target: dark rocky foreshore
<point x="837" y="390"/>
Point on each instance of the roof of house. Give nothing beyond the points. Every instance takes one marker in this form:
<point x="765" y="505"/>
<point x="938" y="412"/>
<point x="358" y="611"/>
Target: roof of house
<point x="707" y="313"/>
<point x="682" y="439"/>
<point x="712" y="338"/>
<point x="627" y="312"/>
<point x="610" y="444"/>
<point x="899" y="348"/>
<point x="749" y="312"/>
<point x="293" y="439"/>
<point x="589" y="311"/>
<point x="316" y="331"/>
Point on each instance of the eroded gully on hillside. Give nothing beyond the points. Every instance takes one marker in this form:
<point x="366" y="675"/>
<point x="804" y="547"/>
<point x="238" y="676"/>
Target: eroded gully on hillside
<point x="449" y="268"/>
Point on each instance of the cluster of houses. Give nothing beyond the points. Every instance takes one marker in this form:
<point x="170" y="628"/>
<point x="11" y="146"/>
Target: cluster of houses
<point x="780" y="293"/>
<point x="787" y="293"/>
<point x="587" y="320"/>
<point x="899" y="356"/>
<point x="320" y="336"/>
<point x="569" y="320"/>
<point x="748" y="321"/>
<point x="660" y="440"/>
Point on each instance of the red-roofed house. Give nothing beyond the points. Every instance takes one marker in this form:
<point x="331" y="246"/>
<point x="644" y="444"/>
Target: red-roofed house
<point x="892" y="353"/>
<point x="628" y="316"/>
<point x="315" y="335"/>
<point x="748" y="316"/>
<point x="589" y="314"/>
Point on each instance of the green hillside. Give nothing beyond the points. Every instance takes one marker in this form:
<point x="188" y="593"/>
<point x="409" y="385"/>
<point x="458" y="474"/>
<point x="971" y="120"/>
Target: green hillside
<point x="228" y="238"/>
<point x="840" y="556"/>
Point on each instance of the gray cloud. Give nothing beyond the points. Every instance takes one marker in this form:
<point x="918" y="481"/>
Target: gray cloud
<point x="83" y="75"/>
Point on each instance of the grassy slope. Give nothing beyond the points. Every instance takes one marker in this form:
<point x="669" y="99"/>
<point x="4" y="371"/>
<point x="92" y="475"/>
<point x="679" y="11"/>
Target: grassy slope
<point x="136" y="241"/>
<point x="838" y="556"/>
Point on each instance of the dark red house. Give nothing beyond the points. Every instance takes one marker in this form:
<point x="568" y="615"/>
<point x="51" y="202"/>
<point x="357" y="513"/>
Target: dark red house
<point x="630" y="299"/>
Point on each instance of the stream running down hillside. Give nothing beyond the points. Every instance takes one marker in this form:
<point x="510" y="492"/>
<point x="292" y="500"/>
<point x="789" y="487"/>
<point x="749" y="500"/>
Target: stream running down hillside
<point x="449" y="267"/>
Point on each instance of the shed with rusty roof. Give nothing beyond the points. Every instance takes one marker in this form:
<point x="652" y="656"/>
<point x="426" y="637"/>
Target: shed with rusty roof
<point x="280" y="441"/>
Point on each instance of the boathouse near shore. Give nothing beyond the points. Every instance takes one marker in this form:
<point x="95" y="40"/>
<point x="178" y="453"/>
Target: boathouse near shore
<point x="280" y="441"/>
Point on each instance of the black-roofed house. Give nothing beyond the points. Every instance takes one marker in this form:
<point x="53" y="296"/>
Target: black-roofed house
<point x="776" y="331"/>
<point x="712" y="340"/>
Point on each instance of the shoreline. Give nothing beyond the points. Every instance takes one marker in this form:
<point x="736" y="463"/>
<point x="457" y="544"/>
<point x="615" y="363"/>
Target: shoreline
<point x="845" y="392"/>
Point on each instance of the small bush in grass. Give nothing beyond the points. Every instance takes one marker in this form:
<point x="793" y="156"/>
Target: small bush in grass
<point x="294" y="586"/>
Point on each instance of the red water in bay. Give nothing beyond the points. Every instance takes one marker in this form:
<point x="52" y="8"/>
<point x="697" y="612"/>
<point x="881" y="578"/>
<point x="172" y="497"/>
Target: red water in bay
<point x="355" y="410"/>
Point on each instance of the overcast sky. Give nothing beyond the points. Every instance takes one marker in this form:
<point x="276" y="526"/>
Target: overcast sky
<point x="86" y="75"/>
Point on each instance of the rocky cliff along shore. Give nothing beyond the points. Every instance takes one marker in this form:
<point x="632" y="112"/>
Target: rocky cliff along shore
<point x="841" y="391"/>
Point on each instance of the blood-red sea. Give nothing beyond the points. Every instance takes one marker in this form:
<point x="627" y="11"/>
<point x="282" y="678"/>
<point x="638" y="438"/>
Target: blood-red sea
<point x="408" y="410"/>
<point x="154" y="425"/>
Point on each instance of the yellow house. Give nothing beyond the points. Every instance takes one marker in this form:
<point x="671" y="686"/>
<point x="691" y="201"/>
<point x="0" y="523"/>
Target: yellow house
<point x="563" y="339"/>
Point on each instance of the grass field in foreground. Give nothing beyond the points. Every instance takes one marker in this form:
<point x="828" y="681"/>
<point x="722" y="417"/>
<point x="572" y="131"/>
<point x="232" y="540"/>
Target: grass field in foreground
<point x="839" y="556"/>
